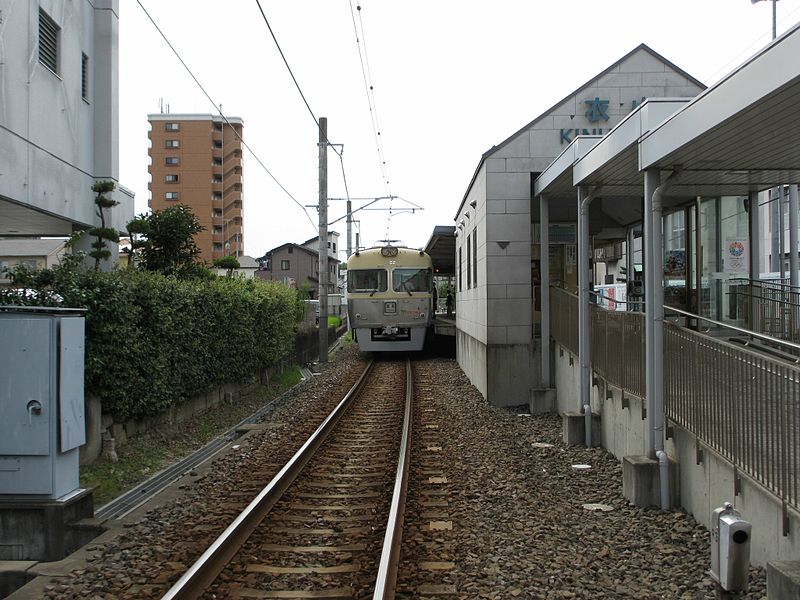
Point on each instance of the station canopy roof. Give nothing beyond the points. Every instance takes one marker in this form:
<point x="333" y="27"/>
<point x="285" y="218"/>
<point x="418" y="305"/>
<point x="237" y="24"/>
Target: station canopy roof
<point x="442" y="249"/>
<point x="738" y="136"/>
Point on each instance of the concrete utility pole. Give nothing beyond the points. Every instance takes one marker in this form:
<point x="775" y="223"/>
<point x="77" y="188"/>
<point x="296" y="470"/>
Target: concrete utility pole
<point x="349" y="228"/>
<point x="323" y="239"/>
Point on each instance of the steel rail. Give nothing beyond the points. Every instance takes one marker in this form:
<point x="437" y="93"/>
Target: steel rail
<point x="390" y="555"/>
<point x="211" y="563"/>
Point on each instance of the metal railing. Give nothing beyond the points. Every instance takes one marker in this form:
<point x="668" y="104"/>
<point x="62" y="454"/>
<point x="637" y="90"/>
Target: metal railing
<point x="618" y="350"/>
<point x="741" y="403"/>
<point x="768" y="307"/>
<point x="564" y="318"/>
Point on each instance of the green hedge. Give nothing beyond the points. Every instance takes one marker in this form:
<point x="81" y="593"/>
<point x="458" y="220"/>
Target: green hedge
<point x="153" y="341"/>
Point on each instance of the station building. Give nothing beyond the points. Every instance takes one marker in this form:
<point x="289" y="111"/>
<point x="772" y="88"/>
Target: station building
<point x="498" y="263"/>
<point x="695" y="385"/>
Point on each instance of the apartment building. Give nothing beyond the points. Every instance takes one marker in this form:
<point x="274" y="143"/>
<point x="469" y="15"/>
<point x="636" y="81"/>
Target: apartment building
<point x="196" y="160"/>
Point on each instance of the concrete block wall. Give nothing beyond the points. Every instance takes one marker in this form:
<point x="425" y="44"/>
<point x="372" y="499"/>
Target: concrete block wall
<point x="471" y="357"/>
<point x="623" y="428"/>
<point x="567" y="380"/>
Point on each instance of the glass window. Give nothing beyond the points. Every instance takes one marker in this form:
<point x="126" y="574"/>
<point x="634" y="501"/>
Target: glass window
<point x="171" y="195"/>
<point x="172" y="127"/>
<point x="460" y="272"/>
<point x="367" y="280"/>
<point x="170" y="178"/>
<point x="172" y="160"/>
<point x="475" y="257"/>
<point x="411" y="280"/>
<point x="469" y="262"/>
<point x="284" y="265"/>
<point x="172" y="144"/>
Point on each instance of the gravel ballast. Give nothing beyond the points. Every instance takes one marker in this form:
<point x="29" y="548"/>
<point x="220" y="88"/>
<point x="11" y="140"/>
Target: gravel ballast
<point x="516" y="504"/>
<point x="519" y="525"/>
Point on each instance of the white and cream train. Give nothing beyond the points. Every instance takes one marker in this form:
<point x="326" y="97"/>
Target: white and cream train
<point x="389" y="298"/>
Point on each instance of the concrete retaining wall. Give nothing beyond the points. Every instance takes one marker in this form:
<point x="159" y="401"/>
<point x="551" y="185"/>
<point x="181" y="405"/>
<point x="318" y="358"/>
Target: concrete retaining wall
<point x="704" y="486"/>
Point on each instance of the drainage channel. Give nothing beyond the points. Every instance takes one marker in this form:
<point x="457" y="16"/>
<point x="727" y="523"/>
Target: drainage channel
<point x="135" y="497"/>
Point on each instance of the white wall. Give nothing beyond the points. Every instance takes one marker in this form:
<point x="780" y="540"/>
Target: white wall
<point x="53" y="143"/>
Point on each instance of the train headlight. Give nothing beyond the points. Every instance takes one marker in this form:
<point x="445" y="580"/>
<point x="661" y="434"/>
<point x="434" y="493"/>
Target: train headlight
<point x="358" y="315"/>
<point x="422" y="315"/>
<point x="388" y="251"/>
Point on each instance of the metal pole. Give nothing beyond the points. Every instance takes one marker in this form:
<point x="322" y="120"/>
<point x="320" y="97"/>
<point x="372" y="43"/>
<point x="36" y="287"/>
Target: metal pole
<point x="630" y="264"/>
<point x="794" y="276"/>
<point x="544" y="276"/>
<point x="349" y="228"/>
<point x="774" y="19"/>
<point x="774" y="209"/>
<point x="323" y="240"/>
<point x="754" y="232"/>
<point x="584" y="338"/>
<point x="652" y="179"/>
<point x="781" y="234"/>
<point x="698" y="245"/>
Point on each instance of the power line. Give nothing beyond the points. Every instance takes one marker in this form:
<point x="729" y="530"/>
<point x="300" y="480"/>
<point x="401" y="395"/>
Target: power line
<point x="216" y="109"/>
<point x="291" y="73"/>
<point x="369" y="91"/>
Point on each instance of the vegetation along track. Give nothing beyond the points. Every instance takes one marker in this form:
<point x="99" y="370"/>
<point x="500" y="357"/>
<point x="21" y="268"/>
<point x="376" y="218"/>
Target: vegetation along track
<point x="319" y="528"/>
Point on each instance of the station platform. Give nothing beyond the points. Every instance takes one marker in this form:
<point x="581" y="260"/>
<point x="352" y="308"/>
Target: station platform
<point x="444" y="325"/>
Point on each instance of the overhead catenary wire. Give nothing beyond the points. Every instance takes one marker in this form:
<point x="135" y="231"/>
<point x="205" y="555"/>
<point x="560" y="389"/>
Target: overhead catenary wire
<point x="216" y="109"/>
<point x="369" y="89"/>
<point x="339" y="153"/>
<point x="366" y="75"/>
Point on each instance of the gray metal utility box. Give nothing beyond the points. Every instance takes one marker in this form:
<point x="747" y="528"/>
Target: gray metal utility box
<point x="41" y="402"/>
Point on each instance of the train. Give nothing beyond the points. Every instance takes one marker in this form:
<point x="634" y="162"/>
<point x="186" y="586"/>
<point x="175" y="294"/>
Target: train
<point x="390" y="298"/>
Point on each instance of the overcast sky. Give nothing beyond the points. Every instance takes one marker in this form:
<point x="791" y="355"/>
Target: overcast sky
<point x="451" y="79"/>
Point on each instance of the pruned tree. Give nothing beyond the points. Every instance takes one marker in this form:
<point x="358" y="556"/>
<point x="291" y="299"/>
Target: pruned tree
<point x="102" y="234"/>
<point x="227" y="262"/>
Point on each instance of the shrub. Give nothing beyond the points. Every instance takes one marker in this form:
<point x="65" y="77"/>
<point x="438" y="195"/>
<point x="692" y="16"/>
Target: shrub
<point x="154" y="340"/>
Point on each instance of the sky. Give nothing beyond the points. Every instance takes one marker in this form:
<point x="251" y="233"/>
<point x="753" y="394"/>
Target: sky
<point x="449" y="79"/>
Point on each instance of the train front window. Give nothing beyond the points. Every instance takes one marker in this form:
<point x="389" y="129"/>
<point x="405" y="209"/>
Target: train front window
<point x="367" y="280"/>
<point x="411" y="280"/>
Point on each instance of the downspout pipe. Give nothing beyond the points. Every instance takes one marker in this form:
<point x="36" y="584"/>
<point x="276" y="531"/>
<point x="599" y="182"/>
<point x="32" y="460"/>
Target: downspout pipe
<point x="544" y="290"/>
<point x="585" y="198"/>
<point x="654" y="197"/>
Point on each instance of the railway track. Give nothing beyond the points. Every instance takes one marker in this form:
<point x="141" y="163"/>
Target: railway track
<point x="328" y="524"/>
